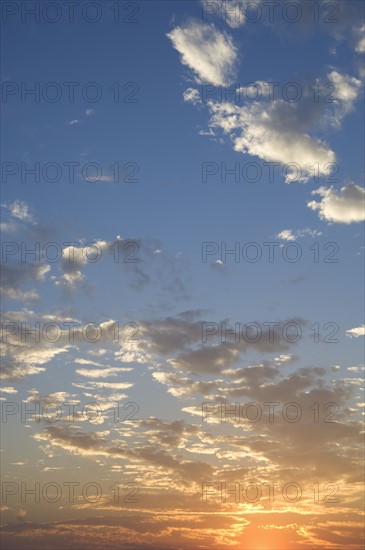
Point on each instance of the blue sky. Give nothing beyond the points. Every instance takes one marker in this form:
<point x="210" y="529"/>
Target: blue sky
<point x="164" y="140"/>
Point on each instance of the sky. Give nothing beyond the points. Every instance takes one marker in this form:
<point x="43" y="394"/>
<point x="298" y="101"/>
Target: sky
<point x="182" y="208"/>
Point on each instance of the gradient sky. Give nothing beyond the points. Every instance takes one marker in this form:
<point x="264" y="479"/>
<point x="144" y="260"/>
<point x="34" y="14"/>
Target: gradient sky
<point x="166" y="117"/>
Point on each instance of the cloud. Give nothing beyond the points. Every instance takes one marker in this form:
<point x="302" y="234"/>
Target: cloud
<point x="357" y="368"/>
<point x="282" y="131"/>
<point x="360" y="45"/>
<point x="21" y="220"/>
<point x="18" y="370"/>
<point x="233" y="12"/>
<point x="340" y="206"/>
<point x="289" y="235"/>
<point x="286" y="358"/>
<point x="105" y="385"/>
<point x="95" y="443"/>
<point x="210" y="53"/>
<point x="228" y="11"/>
<point x="20" y="210"/>
<point x="25" y="348"/>
<point x="348" y="87"/>
<point x="211" y="359"/>
<point x="73" y="260"/>
<point x="15" y="276"/>
<point x="179" y="340"/>
<point x="180" y="386"/>
<point x="101" y="373"/>
<point x="274" y="132"/>
<point x="219" y="266"/>
<point x="141" y="262"/>
<point x="8" y="227"/>
<point x="89" y="112"/>
<point x="8" y="389"/>
<point x="286" y="235"/>
<point x="191" y="95"/>
<point x="72" y="122"/>
<point x="70" y="280"/>
<point x="341" y="20"/>
<point x="259" y="383"/>
<point x="347" y="90"/>
<point x="356" y="332"/>
<point x="87" y="362"/>
<point x="17" y="294"/>
<point x="169" y="334"/>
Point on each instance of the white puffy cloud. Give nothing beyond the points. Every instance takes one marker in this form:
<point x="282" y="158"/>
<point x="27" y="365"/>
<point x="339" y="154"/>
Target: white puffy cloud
<point x="275" y="132"/>
<point x="346" y="92"/>
<point x="74" y="259"/>
<point x="286" y="235"/>
<point x="191" y="95"/>
<point x="20" y="210"/>
<point x="340" y="206"/>
<point x="289" y="235"/>
<point x="210" y="53"/>
<point x="356" y="332"/>
<point x="347" y="86"/>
